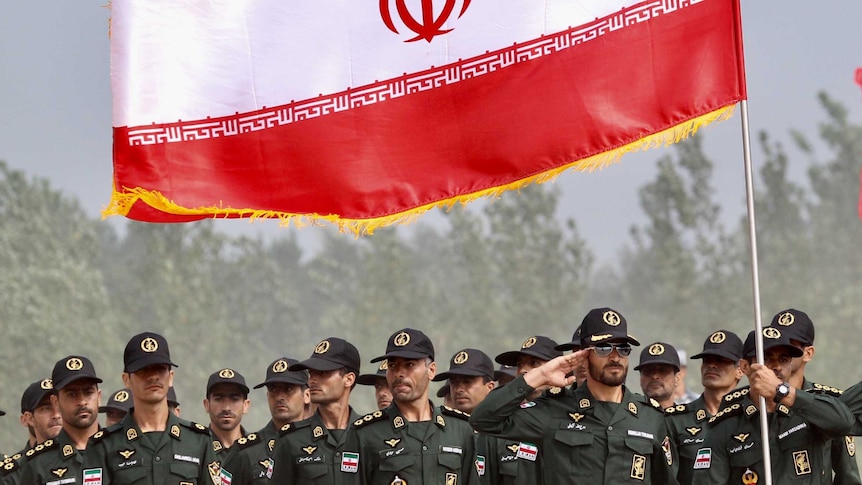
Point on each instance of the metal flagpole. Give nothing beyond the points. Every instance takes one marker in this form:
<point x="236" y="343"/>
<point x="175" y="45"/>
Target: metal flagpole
<point x="755" y="280"/>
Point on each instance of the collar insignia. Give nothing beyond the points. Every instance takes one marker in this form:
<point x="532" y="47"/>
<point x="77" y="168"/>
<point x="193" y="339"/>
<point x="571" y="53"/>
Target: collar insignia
<point x="68" y="450"/>
<point x="633" y="409"/>
<point x="398" y="422"/>
<point x="441" y="421"/>
<point x="271" y="445"/>
<point x="317" y="432"/>
<point x="701" y="415"/>
<point x="175" y="430"/>
<point x="751" y="409"/>
<point x="584" y="403"/>
<point x="131" y="434"/>
<point x="217" y="446"/>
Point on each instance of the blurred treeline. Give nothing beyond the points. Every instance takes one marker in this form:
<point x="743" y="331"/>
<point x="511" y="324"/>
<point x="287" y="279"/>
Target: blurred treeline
<point x="489" y="278"/>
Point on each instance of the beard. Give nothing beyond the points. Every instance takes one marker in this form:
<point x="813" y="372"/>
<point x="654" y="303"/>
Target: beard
<point x="604" y="373"/>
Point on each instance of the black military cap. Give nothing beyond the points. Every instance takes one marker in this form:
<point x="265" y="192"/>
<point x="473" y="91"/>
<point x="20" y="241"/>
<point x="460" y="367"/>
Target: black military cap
<point x="72" y="368"/>
<point x="120" y="400"/>
<point x="408" y="343"/>
<point x="371" y="379"/>
<point x="145" y="349"/>
<point x="505" y="370"/>
<point x="603" y="325"/>
<point x="796" y="324"/>
<point x="772" y="337"/>
<point x="468" y="362"/>
<point x="279" y="371"/>
<point x="172" y="397"/>
<point x="226" y="376"/>
<point x="539" y="346"/>
<point x="330" y="354"/>
<point x="34" y="394"/>
<point x="444" y="391"/>
<point x="575" y="344"/>
<point x="659" y="353"/>
<point x="722" y="343"/>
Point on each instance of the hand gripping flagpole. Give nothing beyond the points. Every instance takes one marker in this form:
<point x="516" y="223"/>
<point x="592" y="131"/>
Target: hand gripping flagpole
<point x="755" y="280"/>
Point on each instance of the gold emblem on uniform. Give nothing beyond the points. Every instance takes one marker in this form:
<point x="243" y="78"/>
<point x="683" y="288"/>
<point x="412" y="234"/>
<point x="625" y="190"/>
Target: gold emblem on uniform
<point x="584" y="403"/>
<point x="656" y="349"/>
<point x="451" y="479"/>
<point x="786" y="319"/>
<point x="513" y="447"/>
<point x="270" y="445"/>
<point x="783" y="409"/>
<point x="693" y="431"/>
<point x="60" y="472"/>
<point x="741" y="437"/>
<point x="264" y="463"/>
<point x="310" y="449"/>
<point x="611" y="317"/>
<point x="749" y="477"/>
<point x="121" y="396"/>
<point x="398" y="422"/>
<point x="317" y="432"/>
<point x="770" y="332"/>
<point x="279" y="366"/>
<point x="68" y="450"/>
<point x="638" y="467"/>
<point x="322" y="347"/>
<point x="751" y="409"/>
<point x="701" y="414"/>
<point x="384" y="365"/>
<point x="242" y="440"/>
<point x="398" y="481"/>
<point x="214" y="469"/>
<point x="252" y="437"/>
<point x="633" y="409"/>
<point x="149" y="344"/>
<point x="46" y="384"/>
<point x="8" y="466"/>
<point x="717" y="337"/>
<point x="576" y="416"/>
<point x="402" y="339"/>
<point x="74" y="364"/>
<point x="528" y="343"/>
<point x="377" y="414"/>
<point x="460" y="358"/>
<point x="226" y="373"/>
<point x="801" y="463"/>
<point x="441" y="421"/>
<point x="392" y="442"/>
<point x="175" y="430"/>
<point x="555" y="390"/>
<point x="851" y="445"/>
<point x="126" y="453"/>
<point x="131" y="434"/>
<point x="217" y="446"/>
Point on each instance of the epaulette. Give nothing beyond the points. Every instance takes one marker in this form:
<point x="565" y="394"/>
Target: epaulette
<point x="655" y="404"/>
<point x="735" y="396"/>
<point x="8" y="467"/>
<point x="454" y="412"/>
<point x="730" y="410"/>
<point x="287" y="428"/>
<point x="369" y="418"/>
<point x="828" y="390"/>
<point x="678" y="409"/>
<point x="40" y="448"/>
<point x="106" y="431"/>
<point x="247" y="440"/>
<point x="195" y="426"/>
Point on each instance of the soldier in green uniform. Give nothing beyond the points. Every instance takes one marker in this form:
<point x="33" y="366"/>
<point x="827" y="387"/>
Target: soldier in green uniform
<point x="412" y="441"/>
<point x="720" y="373"/>
<point x="505" y="374"/>
<point x="471" y="378"/>
<point x="76" y="393"/>
<point x="117" y="407"/>
<point x="382" y="395"/>
<point x="659" y="370"/>
<point x="800" y="330"/>
<point x="226" y="403"/>
<point x="312" y="451"/>
<point x="150" y="445"/>
<point x="250" y="459"/>
<point x="801" y="425"/>
<point x="599" y="433"/>
<point x="574" y="346"/>
<point x="42" y="419"/>
<point x="173" y="403"/>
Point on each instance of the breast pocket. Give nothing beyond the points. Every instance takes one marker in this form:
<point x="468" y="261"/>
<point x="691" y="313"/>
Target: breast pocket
<point x="313" y="468"/>
<point x="580" y="463"/>
<point x="395" y="463"/>
<point x="641" y="451"/>
<point x="130" y="471"/>
<point x="798" y="459"/>
<point x="450" y="460"/>
<point x="185" y="473"/>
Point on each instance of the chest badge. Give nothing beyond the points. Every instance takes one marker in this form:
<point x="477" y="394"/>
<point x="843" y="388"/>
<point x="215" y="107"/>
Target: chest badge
<point x="393" y="442"/>
<point x="576" y="416"/>
<point x="638" y="471"/>
<point x="741" y="437"/>
<point x="801" y="463"/>
<point x="693" y="431"/>
<point x="310" y="449"/>
<point x="126" y="453"/>
<point x="60" y="472"/>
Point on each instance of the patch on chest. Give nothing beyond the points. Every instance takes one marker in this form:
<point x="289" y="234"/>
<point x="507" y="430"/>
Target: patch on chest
<point x="638" y="471"/>
<point x="801" y="463"/>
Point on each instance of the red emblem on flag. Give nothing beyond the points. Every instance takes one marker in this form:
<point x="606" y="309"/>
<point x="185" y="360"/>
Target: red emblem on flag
<point x="429" y="26"/>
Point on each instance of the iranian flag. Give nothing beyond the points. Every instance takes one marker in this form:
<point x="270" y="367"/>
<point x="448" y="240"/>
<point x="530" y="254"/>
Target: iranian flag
<point x="365" y="113"/>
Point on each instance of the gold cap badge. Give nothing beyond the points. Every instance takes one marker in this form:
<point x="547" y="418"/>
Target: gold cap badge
<point x="460" y="357"/>
<point x="149" y="344"/>
<point x="611" y="317"/>
<point x="74" y="364"/>
<point x="322" y="347"/>
<point x="656" y="349"/>
<point x="529" y="343"/>
<point x="717" y="337"/>
<point x="402" y="339"/>
<point x="226" y="373"/>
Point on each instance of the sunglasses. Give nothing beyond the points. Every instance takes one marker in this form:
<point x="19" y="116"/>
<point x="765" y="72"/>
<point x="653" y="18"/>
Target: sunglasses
<point x="604" y="350"/>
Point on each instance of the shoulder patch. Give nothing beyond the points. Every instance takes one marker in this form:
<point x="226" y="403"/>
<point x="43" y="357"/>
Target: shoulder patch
<point x="369" y="418"/>
<point x="827" y="390"/>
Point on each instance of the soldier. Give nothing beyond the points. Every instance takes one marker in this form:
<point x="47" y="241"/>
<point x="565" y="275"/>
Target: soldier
<point x="445" y="392"/>
<point x="600" y="432"/>
<point x="312" y="450"/>
<point x="226" y="403"/>
<point x="800" y="330"/>
<point x="504" y="375"/>
<point x="117" y="407"/>
<point x="150" y="445"/>
<point x="39" y="414"/>
<point x="574" y="346"/>
<point x="173" y="403"/>
<point x="412" y="441"/>
<point x="801" y="424"/>
<point x="382" y="395"/>
<point x="720" y="373"/>
<point x="681" y="395"/>
<point x="659" y="369"/>
<point x="250" y="459"/>
<point x="534" y="352"/>
<point x="76" y="393"/>
<point x="471" y="378"/>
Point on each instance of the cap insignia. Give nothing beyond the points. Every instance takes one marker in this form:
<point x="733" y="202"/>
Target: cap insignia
<point x="770" y="332"/>
<point x="317" y="432"/>
<point x="460" y="358"/>
<point x="786" y="319"/>
<point x="529" y="343"/>
<point x="402" y="339"/>
<point x="226" y="374"/>
<point x="611" y="317"/>
<point x="322" y="347"/>
<point x="175" y="430"/>
<point x="717" y="337"/>
<point x="149" y="344"/>
<point x="279" y="366"/>
<point x="656" y="349"/>
<point x="46" y="384"/>
<point x="121" y="396"/>
<point x="74" y="364"/>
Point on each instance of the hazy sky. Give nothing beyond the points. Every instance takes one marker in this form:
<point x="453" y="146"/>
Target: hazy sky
<point x="55" y="107"/>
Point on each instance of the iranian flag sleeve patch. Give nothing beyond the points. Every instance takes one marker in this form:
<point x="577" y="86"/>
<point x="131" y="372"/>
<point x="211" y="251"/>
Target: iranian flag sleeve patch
<point x="93" y="476"/>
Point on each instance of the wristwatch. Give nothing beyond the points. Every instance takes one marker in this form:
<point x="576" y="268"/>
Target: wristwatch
<point x="781" y="392"/>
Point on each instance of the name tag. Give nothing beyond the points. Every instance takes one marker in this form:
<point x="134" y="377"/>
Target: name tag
<point x="641" y="434"/>
<point x="451" y="449"/>
<point x="190" y="459"/>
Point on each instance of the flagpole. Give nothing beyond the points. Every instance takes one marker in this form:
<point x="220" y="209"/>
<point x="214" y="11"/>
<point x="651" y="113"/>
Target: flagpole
<point x="755" y="280"/>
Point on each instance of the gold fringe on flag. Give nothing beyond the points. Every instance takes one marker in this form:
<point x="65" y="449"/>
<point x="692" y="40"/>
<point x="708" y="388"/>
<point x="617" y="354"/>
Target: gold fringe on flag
<point x="122" y="202"/>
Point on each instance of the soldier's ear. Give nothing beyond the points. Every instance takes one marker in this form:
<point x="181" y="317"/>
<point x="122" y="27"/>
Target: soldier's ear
<point x="807" y="353"/>
<point x="126" y="379"/>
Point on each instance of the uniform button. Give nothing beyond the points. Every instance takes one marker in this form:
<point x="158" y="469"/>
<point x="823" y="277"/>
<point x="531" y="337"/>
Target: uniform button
<point x="158" y="458"/>
<point x="520" y="390"/>
<point x="610" y="428"/>
<point x="337" y="453"/>
<point x="424" y="448"/>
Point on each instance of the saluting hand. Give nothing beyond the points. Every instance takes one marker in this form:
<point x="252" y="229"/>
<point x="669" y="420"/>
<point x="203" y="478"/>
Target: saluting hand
<point x="556" y="372"/>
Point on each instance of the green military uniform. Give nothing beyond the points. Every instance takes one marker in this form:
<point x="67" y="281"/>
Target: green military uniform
<point x="54" y="461"/>
<point x="122" y="454"/>
<point x="843" y="451"/>
<point x="584" y="439"/>
<point x="250" y="458"/>
<point x="798" y="439"/>
<point x="307" y="452"/>
<point x="11" y="467"/>
<point x="687" y="425"/>
<point x="221" y="450"/>
<point x="393" y="450"/>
